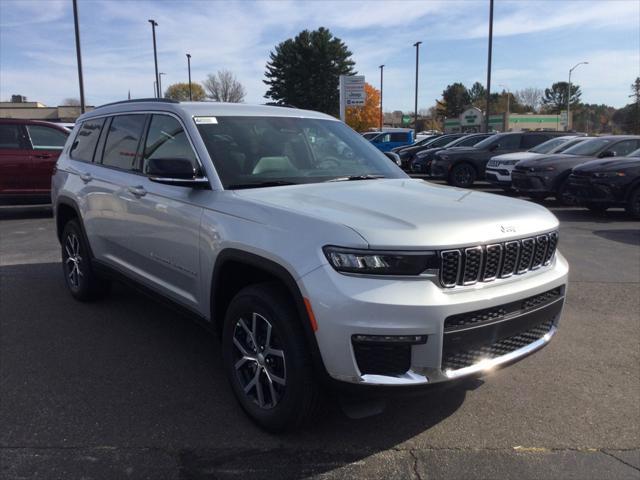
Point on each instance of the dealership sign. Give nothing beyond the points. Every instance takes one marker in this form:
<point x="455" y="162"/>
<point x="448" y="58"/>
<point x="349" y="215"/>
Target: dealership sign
<point x="352" y="93"/>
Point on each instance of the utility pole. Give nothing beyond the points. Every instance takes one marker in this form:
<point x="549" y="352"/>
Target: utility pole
<point x="415" y="108"/>
<point x="381" y="114"/>
<point x="154" y="24"/>
<point x="189" y="69"/>
<point x="487" y="113"/>
<point x="569" y="92"/>
<point x="79" y="55"/>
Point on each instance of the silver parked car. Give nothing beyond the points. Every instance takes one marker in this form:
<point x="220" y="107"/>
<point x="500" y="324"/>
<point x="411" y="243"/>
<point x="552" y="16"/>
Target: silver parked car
<point x="315" y="258"/>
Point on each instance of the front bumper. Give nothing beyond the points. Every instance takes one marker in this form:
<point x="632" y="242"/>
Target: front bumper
<point x="440" y="169"/>
<point x="533" y="182"/>
<point x="498" y="176"/>
<point x="349" y="307"/>
<point x="589" y="191"/>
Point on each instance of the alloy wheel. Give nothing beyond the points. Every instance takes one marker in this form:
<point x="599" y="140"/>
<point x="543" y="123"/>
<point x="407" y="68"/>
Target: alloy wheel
<point x="259" y="361"/>
<point x="73" y="260"/>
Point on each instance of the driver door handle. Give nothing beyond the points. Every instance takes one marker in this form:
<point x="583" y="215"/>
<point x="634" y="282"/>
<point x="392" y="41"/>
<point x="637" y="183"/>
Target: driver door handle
<point x="138" y="191"/>
<point x="86" y="177"/>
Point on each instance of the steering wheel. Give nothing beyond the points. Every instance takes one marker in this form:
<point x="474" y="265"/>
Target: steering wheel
<point x="328" y="163"/>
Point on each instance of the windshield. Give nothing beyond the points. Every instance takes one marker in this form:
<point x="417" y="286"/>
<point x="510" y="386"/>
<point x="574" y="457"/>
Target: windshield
<point x="467" y="141"/>
<point x="635" y="153"/>
<point x="567" y="145"/>
<point x="487" y="142"/>
<point x="588" y="147"/>
<point x="549" y="146"/>
<point x="442" y="141"/>
<point x="263" y="151"/>
<point x="370" y="135"/>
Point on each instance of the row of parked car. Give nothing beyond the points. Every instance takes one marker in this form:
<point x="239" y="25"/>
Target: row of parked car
<point x="595" y="172"/>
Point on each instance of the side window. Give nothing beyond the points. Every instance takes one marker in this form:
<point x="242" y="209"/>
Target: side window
<point x="121" y="146"/>
<point x="167" y="140"/>
<point x="398" y="137"/>
<point x="46" y="138"/>
<point x="624" y="148"/>
<point x="84" y="145"/>
<point x="530" y="141"/>
<point x="509" y="142"/>
<point x="10" y="136"/>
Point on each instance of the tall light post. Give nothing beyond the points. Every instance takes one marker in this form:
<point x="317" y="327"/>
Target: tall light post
<point x="381" y="114"/>
<point x="506" y="124"/>
<point x="569" y="92"/>
<point x="160" y="84"/>
<point x="487" y="113"/>
<point x="78" y="54"/>
<point x="415" y="108"/>
<point x="154" y="24"/>
<point x="189" y="69"/>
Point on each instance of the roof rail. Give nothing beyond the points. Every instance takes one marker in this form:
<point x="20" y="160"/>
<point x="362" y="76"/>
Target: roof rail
<point x="138" y="100"/>
<point x="278" y="104"/>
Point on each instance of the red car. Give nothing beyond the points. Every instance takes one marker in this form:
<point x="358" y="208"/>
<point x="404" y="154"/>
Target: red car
<point x="29" y="150"/>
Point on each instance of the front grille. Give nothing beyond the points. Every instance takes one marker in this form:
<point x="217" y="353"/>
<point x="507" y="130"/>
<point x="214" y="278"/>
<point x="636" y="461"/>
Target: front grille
<point x="467" y="266"/>
<point x="454" y="360"/>
<point x="485" y="316"/>
<point x="382" y="359"/>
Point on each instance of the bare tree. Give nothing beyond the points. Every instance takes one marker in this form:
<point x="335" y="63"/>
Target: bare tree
<point x="70" y="102"/>
<point x="531" y="97"/>
<point x="224" y="87"/>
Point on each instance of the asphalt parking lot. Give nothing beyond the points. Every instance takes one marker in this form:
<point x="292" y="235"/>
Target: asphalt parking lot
<point x="127" y="388"/>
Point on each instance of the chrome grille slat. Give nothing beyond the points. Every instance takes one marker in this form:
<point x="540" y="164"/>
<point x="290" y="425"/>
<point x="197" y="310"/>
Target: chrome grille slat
<point x="486" y="263"/>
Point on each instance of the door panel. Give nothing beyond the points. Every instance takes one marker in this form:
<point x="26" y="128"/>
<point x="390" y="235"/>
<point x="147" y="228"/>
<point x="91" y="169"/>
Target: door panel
<point x="47" y="143"/>
<point x="14" y="160"/>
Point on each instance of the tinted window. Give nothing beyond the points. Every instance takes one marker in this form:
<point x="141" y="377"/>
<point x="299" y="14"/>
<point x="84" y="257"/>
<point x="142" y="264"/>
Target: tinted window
<point x="635" y="154"/>
<point x="254" y="150"/>
<point x="566" y="145"/>
<point x="121" y="146"/>
<point x="624" y="148"/>
<point x="167" y="140"/>
<point x="589" y="147"/>
<point x="509" y="142"/>
<point x="86" y="140"/>
<point x="441" y="142"/>
<point x="46" y="138"/>
<point x="468" y="141"/>
<point x="530" y="141"/>
<point x="9" y="136"/>
<point x="399" y="137"/>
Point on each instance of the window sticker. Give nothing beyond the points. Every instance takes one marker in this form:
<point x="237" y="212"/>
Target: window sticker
<point x="202" y="120"/>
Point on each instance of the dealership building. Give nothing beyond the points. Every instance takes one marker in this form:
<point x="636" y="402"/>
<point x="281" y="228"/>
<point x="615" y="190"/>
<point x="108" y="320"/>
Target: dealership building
<point x="19" y="107"/>
<point x="472" y="120"/>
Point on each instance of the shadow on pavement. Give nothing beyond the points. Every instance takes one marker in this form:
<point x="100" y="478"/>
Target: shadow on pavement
<point x="630" y="237"/>
<point x="127" y="376"/>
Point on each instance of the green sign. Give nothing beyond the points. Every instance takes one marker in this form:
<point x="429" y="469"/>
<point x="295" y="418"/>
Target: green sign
<point x="406" y="119"/>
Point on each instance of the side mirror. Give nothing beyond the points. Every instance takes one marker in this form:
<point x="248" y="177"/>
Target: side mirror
<point x="394" y="157"/>
<point x="607" y="154"/>
<point x="174" y="171"/>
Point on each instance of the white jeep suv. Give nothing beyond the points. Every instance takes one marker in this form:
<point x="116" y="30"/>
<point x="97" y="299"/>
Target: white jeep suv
<point x="317" y="261"/>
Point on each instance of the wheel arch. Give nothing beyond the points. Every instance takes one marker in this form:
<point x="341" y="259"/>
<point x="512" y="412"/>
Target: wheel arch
<point x="235" y="269"/>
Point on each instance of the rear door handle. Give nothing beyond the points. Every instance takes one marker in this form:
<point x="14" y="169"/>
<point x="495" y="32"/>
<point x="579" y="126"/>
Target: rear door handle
<point x="137" y="191"/>
<point x="86" y="177"/>
<point x="43" y="155"/>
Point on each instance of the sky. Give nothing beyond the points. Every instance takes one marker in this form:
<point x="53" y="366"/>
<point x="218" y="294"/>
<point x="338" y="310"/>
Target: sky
<point x="535" y="44"/>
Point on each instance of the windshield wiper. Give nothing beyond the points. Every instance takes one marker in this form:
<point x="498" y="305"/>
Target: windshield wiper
<point x="271" y="183"/>
<point x="352" y="178"/>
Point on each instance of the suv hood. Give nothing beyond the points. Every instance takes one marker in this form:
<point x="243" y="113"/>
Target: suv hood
<point x="410" y="213"/>
<point x="609" y="164"/>
<point x="560" y="160"/>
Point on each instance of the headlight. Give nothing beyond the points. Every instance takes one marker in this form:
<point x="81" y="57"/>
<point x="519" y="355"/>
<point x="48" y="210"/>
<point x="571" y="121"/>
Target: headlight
<point x="609" y="174"/>
<point x="370" y="262"/>
<point x="542" y="169"/>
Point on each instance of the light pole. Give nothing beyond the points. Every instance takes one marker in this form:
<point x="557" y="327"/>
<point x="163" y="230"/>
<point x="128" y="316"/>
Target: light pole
<point x="569" y="92"/>
<point x="506" y="124"/>
<point x="189" y="69"/>
<point x="154" y="24"/>
<point x="415" y="108"/>
<point x="78" y="54"/>
<point x="160" y="84"/>
<point x="486" y="114"/>
<point x="381" y="114"/>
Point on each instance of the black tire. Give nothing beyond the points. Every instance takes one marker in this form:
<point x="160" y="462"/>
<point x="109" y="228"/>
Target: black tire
<point x="83" y="283"/>
<point x="294" y="397"/>
<point x="596" y="208"/>
<point x="633" y="204"/>
<point x="462" y="175"/>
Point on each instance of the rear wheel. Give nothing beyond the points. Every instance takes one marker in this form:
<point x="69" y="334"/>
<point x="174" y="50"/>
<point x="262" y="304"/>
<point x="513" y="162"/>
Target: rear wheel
<point x="266" y="359"/>
<point x="83" y="283"/>
<point x="633" y="204"/>
<point x="462" y="175"/>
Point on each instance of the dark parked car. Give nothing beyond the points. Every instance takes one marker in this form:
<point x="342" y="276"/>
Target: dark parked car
<point x="602" y="184"/>
<point x="29" y="150"/>
<point x="422" y="160"/>
<point x="542" y="177"/>
<point x="419" y="143"/>
<point x="463" y="166"/>
<point x="409" y="154"/>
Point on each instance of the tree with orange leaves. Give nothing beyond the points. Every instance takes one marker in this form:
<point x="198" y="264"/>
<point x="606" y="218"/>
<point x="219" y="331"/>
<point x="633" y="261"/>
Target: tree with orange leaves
<point x="368" y="116"/>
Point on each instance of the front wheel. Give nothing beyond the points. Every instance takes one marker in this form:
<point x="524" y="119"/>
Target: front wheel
<point x="633" y="204"/>
<point x="462" y="175"/>
<point x="266" y="358"/>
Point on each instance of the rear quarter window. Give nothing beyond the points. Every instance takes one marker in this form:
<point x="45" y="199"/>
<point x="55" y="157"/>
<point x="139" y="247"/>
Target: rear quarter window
<point x="84" y="145"/>
<point x="46" y="138"/>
